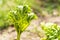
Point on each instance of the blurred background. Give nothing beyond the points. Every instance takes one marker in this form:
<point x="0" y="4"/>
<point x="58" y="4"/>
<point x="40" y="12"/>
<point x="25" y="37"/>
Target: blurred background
<point x="46" y="10"/>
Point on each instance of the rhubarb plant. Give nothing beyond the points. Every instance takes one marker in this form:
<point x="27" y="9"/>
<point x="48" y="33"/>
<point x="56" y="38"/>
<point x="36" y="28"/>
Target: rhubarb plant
<point x="21" y="18"/>
<point x="52" y="31"/>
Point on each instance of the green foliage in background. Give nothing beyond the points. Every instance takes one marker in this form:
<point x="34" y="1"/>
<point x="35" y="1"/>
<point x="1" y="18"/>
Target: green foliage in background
<point x="3" y="20"/>
<point x="52" y="31"/>
<point x="51" y="5"/>
<point x="5" y="6"/>
<point x="21" y="18"/>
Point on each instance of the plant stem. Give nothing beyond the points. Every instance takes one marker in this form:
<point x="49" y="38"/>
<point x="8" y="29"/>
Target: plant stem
<point x="18" y="36"/>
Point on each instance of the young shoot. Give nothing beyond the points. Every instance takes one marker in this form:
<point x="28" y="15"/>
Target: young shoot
<point x="21" y="18"/>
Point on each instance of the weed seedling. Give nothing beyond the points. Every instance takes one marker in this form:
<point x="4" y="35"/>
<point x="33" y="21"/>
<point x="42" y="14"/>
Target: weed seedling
<point x="21" y="18"/>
